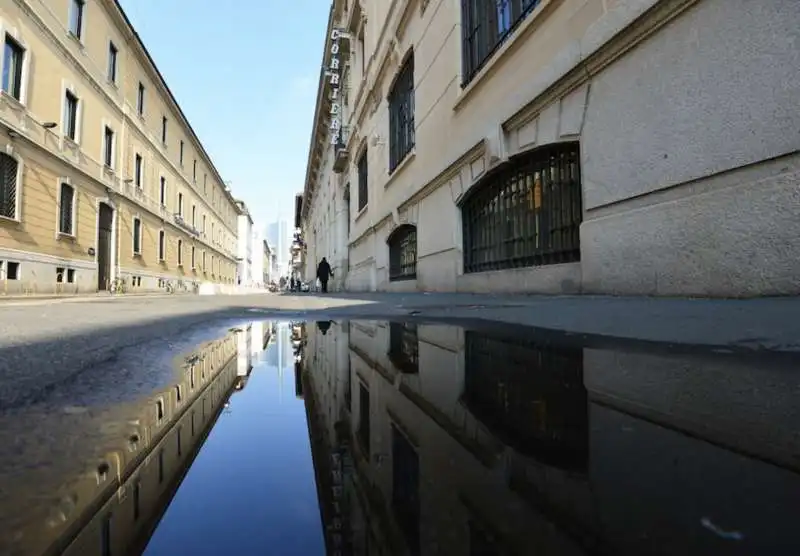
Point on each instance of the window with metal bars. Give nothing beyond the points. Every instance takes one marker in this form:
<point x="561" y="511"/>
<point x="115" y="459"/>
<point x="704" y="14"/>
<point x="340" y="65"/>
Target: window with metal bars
<point x="486" y="24"/>
<point x="530" y="395"/>
<point x="9" y="168"/>
<point x="403" y="253"/>
<point x="401" y="115"/>
<point x="528" y="213"/>
<point x="404" y="347"/>
<point x="363" y="176"/>
<point x="66" y="207"/>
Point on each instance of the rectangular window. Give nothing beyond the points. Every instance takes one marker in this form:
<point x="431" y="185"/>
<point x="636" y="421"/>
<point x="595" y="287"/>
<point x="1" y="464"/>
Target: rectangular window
<point x="140" y="100"/>
<point x="363" y="425"/>
<point x="66" y="210"/>
<point x="9" y="170"/>
<point x="401" y="115"/>
<point x="112" y="62"/>
<point x="108" y="147"/>
<point x="137" y="170"/>
<point x="77" y="10"/>
<point x="163" y="192"/>
<point x="180" y="252"/>
<point x="137" y="500"/>
<point x="485" y="25"/>
<point x="105" y="539"/>
<point x="205" y="184"/>
<point x="164" y="130"/>
<point x="363" y="189"/>
<point x="71" y="103"/>
<point x="9" y="270"/>
<point x="180" y="204"/>
<point x="162" y="245"/>
<point x="204" y="223"/>
<point x="180" y="156"/>
<point x="137" y="236"/>
<point x="194" y="171"/>
<point x="193" y="257"/>
<point x="194" y="215"/>
<point x="13" y="58"/>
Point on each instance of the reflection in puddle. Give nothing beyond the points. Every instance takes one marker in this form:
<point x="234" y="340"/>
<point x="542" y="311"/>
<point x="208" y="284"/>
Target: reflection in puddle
<point x="430" y="439"/>
<point x="415" y="439"/>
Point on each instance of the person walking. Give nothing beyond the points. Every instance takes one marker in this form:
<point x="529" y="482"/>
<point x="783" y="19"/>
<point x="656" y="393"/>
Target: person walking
<point x="324" y="272"/>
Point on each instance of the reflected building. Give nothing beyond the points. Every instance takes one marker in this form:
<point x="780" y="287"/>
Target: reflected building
<point x="281" y="356"/>
<point x="114" y="507"/>
<point x="432" y="439"/>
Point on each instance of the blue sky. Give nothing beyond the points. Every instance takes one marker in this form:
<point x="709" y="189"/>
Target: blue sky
<point x="246" y="78"/>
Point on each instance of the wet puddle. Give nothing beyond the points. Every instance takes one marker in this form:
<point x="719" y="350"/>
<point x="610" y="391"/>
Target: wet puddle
<point x="373" y="437"/>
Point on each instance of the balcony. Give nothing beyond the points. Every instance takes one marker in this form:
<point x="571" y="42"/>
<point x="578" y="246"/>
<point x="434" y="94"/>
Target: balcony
<point x="341" y="155"/>
<point x="181" y="223"/>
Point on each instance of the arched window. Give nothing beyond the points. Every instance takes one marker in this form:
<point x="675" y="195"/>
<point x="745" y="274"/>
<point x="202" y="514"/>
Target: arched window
<point x="527" y="213"/>
<point x="403" y="253"/>
<point x="9" y="188"/>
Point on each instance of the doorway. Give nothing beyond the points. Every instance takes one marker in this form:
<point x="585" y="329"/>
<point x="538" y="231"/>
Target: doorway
<point x="105" y="226"/>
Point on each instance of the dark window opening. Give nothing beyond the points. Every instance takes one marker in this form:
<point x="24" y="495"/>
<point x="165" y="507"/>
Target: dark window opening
<point x="76" y="18"/>
<point x="486" y="24"/>
<point x="403" y="253"/>
<point x="13" y="58"/>
<point x="140" y="100"/>
<point x="528" y="213"/>
<point x="401" y="115"/>
<point x="363" y="176"/>
<point x="404" y="346"/>
<point x="112" y="62"/>
<point x="137" y="170"/>
<point x="66" y="209"/>
<point x="9" y="168"/>
<point x="137" y="236"/>
<point x="108" y="146"/>
<point x="405" y="489"/>
<point x="363" y="417"/>
<point x="71" y="115"/>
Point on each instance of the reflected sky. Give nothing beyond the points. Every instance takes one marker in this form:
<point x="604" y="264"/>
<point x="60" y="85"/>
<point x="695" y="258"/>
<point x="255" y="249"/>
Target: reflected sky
<point x="253" y="479"/>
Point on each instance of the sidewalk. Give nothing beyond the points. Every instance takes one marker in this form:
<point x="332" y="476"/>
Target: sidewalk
<point x="766" y="323"/>
<point x="81" y="296"/>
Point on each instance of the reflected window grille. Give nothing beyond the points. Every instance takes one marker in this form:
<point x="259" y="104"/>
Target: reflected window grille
<point x="487" y="24"/>
<point x="403" y="253"/>
<point x="401" y="115"/>
<point x="530" y="396"/>
<point x="404" y="347"/>
<point x="526" y="214"/>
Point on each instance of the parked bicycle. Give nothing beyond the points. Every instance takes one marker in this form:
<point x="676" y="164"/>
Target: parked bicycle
<point x="170" y="287"/>
<point x="118" y="285"/>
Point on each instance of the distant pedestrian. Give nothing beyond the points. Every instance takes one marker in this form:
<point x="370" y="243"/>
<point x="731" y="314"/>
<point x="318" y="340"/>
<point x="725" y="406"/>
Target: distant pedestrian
<point x="324" y="273"/>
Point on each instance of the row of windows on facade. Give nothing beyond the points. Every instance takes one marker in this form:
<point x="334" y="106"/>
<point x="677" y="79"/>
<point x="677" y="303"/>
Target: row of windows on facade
<point x="528" y="213"/>
<point x="12" y="84"/>
<point x="486" y="25"/>
<point x="9" y="171"/>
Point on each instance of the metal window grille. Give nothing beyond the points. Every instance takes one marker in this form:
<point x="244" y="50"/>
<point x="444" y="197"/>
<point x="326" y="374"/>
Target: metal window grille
<point x="404" y="347"/>
<point x="403" y="253"/>
<point x="8" y="186"/>
<point x="401" y="115"/>
<point x="363" y="177"/>
<point x="486" y="24"/>
<point x="526" y="214"/>
<point x="530" y="395"/>
<point x="67" y="202"/>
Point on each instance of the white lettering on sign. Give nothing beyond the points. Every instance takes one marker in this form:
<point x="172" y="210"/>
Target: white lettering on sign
<point x="333" y="72"/>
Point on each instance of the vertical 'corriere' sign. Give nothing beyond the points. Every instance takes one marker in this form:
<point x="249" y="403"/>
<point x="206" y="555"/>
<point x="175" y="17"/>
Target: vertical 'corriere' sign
<point x="334" y="74"/>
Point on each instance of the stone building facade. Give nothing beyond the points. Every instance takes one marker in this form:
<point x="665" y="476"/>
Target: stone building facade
<point x="645" y="147"/>
<point x="101" y="175"/>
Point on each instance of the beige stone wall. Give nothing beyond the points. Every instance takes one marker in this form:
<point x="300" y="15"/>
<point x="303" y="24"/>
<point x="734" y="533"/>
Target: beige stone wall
<point x="688" y="167"/>
<point x="56" y="61"/>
